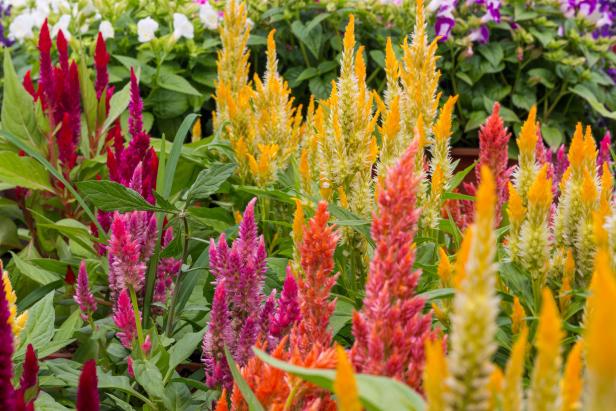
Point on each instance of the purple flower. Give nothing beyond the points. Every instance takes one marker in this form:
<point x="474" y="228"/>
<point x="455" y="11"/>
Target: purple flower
<point x="214" y="341"/>
<point x="288" y="307"/>
<point x="83" y="296"/>
<point x="480" y="35"/>
<point x="124" y="319"/>
<point x="605" y="154"/>
<point x="560" y="165"/>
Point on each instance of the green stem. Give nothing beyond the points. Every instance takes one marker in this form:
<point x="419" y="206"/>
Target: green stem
<point x="171" y="316"/>
<point x="133" y="298"/>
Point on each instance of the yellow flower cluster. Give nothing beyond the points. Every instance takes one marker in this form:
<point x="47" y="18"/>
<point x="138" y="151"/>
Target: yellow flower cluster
<point x="17" y="322"/>
<point x="261" y="123"/>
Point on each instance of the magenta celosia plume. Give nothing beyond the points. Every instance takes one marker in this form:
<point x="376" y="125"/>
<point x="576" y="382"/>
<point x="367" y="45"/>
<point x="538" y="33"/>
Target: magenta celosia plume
<point x="288" y="311"/>
<point x="101" y="59"/>
<point x="87" y="390"/>
<point x="126" y="267"/>
<point x="124" y="319"/>
<point x="7" y="393"/>
<point x="390" y="330"/>
<point x="561" y="164"/>
<point x="605" y="154"/>
<point x="83" y="296"/>
<point x="315" y="283"/>
<point x="28" y="383"/>
<point x="214" y="340"/>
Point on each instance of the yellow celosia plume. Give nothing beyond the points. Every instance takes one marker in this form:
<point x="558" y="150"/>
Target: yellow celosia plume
<point x="495" y="387"/>
<point x="567" y="281"/>
<point x="600" y="337"/>
<point x="518" y="316"/>
<point x="513" y="391"/>
<point x="540" y="192"/>
<point x="516" y="208"/>
<point x="527" y="141"/>
<point x="444" y="269"/>
<point x="572" y="382"/>
<point x="544" y="389"/>
<point x="576" y="149"/>
<point x="442" y="128"/>
<point x="17" y="322"/>
<point x="345" y="386"/>
<point x="435" y="374"/>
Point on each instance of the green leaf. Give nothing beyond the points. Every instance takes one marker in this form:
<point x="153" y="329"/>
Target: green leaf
<point x="342" y="316"/>
<point x="459" y="177"/>
<point x="542" y="76"/>
<point x="88" y="96"/>
<point x="174" y="82"/>
<point x="18" y="106"/>
<point x="109" y="195"/>
<point x="209" y="181"/>
<point x="34" y="272"/>
<point x="184" y="348"/>
<point x="117" y="106"/>
<point x="23" y="171"/>
<point x="149" y="377"/>
<point x="176" y="151"/>
<point x="36" y="295"/>
<point x="306" y="74"/>
<point x="590" y="98"/>
<point x="375" y="393"/>
<point x="249" y="396"/>
<point x="493" y="52"/>
<point x="319" y="87"/>
<point x="39" y="328"/>
<point x="69" y="326"/>
<point x="475" y="120"/>
<point x="346" y="217"/>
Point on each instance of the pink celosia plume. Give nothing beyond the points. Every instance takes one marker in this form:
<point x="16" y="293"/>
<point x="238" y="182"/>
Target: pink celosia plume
<point x="87" y="390"/>
<point x="124" y="319"/>
<point x="83" y="296"/>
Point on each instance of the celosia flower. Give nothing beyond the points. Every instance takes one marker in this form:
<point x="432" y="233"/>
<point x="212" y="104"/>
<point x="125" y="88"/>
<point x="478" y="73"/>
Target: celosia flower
<point x="214" y="341"/>
<point x="600" y="336"/>
<point x="513" y="391"/>
<point x="221" y="404"/>
<point x="524" y="174"/>
<point x="87" y="390"/>
<point x="17" y="322"/>
<point x="345" y="386"/>
<point x="605" y="154"/>
<point x="288" y="311"/>
<point x="315" y="282"/>
<point x="124" y="319"/>
<point x="126" y="265"/>
<point x="390" y="330"/>
<point x="435" y="375"/>
<point x="561" y="164"/>
<point x="83" y="296"/>
<point x="518" y="316"/>
<point x="544" y="393"/>
<point x="101" y="59"/>
<point x="28" y="383"/>
<point x="572" y="383"/>
<point x="568" y="279"/>
<point x="473" y="329"/>
<point x="7" y="393"/>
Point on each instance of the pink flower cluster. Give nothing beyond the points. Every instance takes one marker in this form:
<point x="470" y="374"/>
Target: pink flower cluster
<point x="83" y="295"/>
<point x="240" y="312"/>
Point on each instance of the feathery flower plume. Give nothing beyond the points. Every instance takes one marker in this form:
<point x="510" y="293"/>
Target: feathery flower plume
<point x="222" y="404"/>
<point x="216" y="367"/>
<point x="345" y="386"/>
<point x="534" y="234"/>
<point x="572" y="383"/>
<point x="87" y="390"/>
<point x="524" y="174"/>
<point x="288" y="311"/>
<point x="124" y="319"/>
<point x="17" y="322"/>
<point x="28" y="383"/>
<point x="475" y="307"/>
<point x="517" y="212"/>
<point x="315" y="282"/>
<point x="7" y="393"/>
<point x="544" y="391"/>
<point x="568" y="279"/>
<point x="348" y="148"/>
<point x="513" y="391"/>
<point x="605" y="154"/>
<point x="600" y="336"/>
<point x="493" y="145"/>
<point x="495" y="387"/>
<point x="518" y="316"/>
<point x="435" y="375"/>
<point x="83" y="296"/>
<point x="101" y="59"/>
<point x="390" y="330"/>
<point x="126" y="267"/>
<point x="560" y="166"/>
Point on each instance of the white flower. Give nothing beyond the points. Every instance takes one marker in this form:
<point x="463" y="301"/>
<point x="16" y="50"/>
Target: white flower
<point x="106" y="29"/>
<point x="146" y="29"/>
<point x="208" y="16"/>
<point x="21" y="27"/>
<point x="62" y="24"/>
<point x="182" y="27"/>
<point x="39" y="15"/>
<point x="250" y="23"/>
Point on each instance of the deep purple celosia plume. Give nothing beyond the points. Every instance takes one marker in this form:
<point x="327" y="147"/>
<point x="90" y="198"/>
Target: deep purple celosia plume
<point x="561" y="164"/>
<point x="214" y="341"/>
<point x="67" y="150"/>
<point x="87" y="390"/>
<point x="135" y="107"/>
<point x="288" y="311"/>
<point x="83" y="295"/>
<point x="28" y="384"/>
<point x="101" y="59"/>
<point x="124" y="319"/>
<point x="267" y="314"/>
<point x="167" y="270"/>
<point x="390" y="330"/>
<point x="7" y="393"/>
